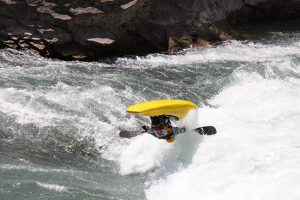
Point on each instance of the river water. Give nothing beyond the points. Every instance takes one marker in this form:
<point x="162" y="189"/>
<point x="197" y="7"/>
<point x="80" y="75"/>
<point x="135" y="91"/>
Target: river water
<point x="59" y="124"/>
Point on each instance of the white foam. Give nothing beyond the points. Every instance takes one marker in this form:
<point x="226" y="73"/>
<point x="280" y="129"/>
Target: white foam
<point x="33" y="168"/>
<point x="55" y="187"/>
<point x="67" y="104"/>
<point x="255" y="154"/>
<point x="145" y="152"/>
<point x="229" y="51"/>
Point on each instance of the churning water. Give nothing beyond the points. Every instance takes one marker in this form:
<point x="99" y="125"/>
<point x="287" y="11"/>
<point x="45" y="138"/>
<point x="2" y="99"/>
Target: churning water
<point x="59" y="124"/>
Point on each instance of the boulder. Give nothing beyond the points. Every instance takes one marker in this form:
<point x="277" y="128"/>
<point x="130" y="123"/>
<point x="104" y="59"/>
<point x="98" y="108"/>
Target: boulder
<point x="92" y="29"/>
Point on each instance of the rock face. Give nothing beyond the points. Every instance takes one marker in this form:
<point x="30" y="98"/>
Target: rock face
<point x="90" y="29"/>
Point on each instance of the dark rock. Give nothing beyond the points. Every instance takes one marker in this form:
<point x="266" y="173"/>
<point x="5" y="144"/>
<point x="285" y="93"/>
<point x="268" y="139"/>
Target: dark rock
<point x="177" y="43"/>
<point x="17" y="31"/>
<point x="60" y="16"/>
<point x="44" y="9"/>
<point x="95" y="28"/>
<point x="73" y="51"/>
<point x="6" y="22"/>
<point x="9" y="2"/>
<point x="23" y="45"/>
<point x="7" y="41"/>
<point x="54" y="35"/>
<point x="38" y="45"/>
<point x="100" y="41"/>
<point x="129" y="4"/>
<point x="87" y="10"/>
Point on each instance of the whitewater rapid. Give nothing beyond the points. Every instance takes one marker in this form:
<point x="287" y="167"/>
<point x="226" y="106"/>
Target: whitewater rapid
<point x="256" y="152"/>
<point x="59" y="124"/>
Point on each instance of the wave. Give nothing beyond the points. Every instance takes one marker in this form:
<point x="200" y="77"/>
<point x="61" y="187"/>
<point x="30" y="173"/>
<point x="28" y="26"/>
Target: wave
<point x="248" y="90"/>
<point x="256" y="148"/>
<point x="54" y="187"/>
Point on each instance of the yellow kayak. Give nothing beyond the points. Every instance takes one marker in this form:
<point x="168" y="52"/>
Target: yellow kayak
<point x="177" y="108"/>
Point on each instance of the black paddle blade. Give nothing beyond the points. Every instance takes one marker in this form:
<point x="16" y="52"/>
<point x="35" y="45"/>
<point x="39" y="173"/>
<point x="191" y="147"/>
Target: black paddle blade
<point x="206" y="130"/>
<point x="129" y="134"/>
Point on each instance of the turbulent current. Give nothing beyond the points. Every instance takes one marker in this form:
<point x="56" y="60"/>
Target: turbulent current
<point x="59" y="124"/>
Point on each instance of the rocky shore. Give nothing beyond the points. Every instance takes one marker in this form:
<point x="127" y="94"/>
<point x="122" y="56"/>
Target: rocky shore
<point x="91" y="29"/>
